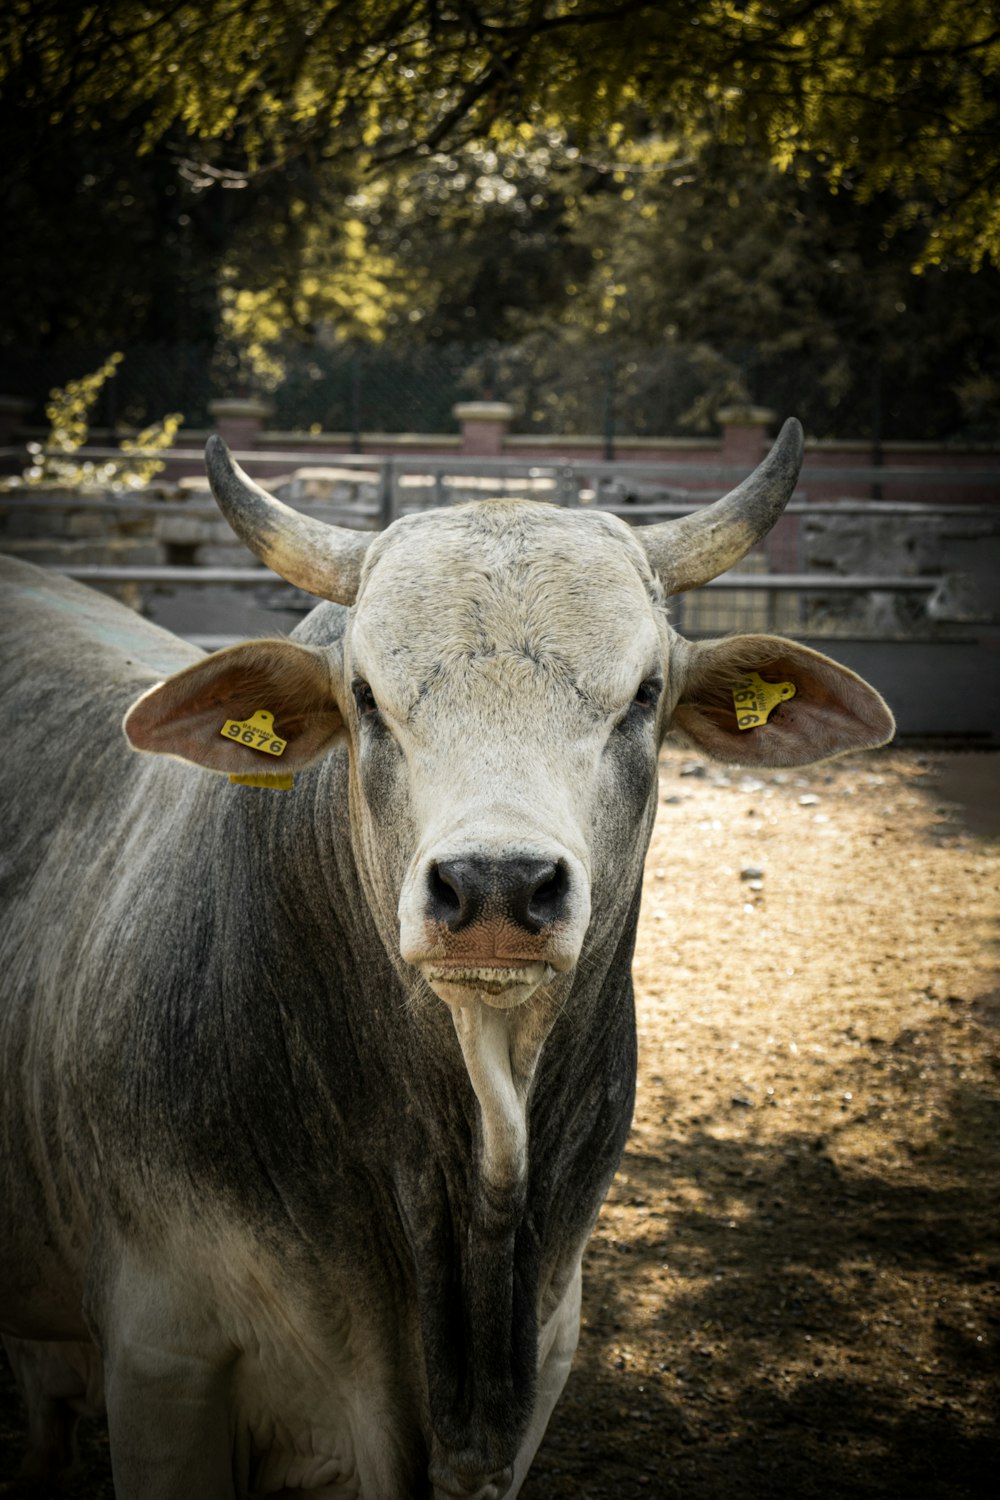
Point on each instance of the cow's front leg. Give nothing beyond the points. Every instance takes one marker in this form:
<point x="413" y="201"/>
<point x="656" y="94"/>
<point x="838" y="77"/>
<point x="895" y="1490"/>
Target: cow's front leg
<point x="169" y="1425"/>
<point x="556" y="1347"/>
<point x="59" y="1382"/>
<point x="168" y="1394"/>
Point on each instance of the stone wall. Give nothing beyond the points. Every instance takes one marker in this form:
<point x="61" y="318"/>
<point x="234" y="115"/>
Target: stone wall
<point x="960" y="547"/>
<point x="77" y="532"/>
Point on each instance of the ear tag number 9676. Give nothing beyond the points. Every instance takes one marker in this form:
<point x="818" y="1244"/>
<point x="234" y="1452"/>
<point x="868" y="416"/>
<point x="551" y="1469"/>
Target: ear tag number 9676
<point x="257" y="732"/>
<point x="755" y="700"/>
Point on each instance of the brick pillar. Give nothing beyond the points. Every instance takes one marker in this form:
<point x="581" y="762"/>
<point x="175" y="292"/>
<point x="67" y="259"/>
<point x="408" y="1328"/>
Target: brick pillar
<point x="238" y="421"/>
<point x="745" y="434"/>
<point x="485" y="424"/>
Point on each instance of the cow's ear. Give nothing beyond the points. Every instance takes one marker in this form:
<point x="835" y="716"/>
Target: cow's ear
<point x="832" y="709"/>
<point x="274" y="683"/>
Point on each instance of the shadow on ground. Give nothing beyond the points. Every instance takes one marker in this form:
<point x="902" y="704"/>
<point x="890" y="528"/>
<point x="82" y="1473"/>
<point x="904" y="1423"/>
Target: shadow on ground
<point x="798" y="1329"/>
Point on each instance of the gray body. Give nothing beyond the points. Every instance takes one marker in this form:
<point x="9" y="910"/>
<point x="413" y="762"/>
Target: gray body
<point x="217" y="1087"/>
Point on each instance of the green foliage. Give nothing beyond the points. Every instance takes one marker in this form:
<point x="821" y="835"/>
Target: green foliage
<point x="68" y="407"/>
<point x="703" y="173"/>
<point x="900" y="95"/>
<point x="54" y="462"/>
<point x="753" y="284"/>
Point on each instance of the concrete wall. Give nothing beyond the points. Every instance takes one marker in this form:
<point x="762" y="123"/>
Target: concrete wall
<point x="946" y="690"/>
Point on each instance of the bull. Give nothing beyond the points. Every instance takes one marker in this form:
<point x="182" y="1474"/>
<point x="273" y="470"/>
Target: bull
<point x="311" y="1098"/>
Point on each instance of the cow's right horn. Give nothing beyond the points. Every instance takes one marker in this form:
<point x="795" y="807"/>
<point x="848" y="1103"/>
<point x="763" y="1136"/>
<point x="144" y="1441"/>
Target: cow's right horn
<point x="698" y="547"/>
<point x="323" y="560"/>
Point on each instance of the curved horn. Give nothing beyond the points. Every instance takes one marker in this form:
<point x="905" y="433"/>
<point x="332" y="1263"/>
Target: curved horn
<point x="690" y="551"/>
<point x="323" y="560"/>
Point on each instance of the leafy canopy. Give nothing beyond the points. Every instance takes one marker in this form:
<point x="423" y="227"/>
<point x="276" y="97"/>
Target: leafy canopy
<point x="902" y="95"/>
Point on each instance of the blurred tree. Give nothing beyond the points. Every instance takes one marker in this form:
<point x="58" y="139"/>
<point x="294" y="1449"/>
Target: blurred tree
<point x="790" y="290"/>
<point x="902" y="94"/>
<point x="181" y="170"/>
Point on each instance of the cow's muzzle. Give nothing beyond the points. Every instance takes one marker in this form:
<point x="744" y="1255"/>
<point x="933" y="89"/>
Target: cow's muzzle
<point x="493" y="928"/>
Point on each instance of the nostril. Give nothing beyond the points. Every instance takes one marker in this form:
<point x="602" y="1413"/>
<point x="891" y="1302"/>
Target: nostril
<point x="445" y="899"/>
<point x="547" y="902"/>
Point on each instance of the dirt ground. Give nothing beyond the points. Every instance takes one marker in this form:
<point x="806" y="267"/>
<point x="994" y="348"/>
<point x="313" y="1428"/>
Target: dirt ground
<point x="794" y="1287"/>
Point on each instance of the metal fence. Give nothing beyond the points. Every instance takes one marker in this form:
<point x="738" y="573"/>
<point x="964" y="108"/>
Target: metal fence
<point x="828" y="568"/>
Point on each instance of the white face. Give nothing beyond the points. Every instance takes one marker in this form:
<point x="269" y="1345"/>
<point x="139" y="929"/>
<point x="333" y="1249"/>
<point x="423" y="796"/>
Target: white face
<point x="506" y="667"/>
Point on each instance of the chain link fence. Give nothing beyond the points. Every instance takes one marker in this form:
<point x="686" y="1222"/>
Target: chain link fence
<point x="555" y="386"/>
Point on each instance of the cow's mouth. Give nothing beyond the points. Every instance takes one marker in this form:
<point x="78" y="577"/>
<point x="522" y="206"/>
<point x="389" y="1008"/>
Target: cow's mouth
<point x="503" y="985"/>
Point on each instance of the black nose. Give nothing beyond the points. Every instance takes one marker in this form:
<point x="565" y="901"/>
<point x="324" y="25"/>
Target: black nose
<point x="534" y="893"/>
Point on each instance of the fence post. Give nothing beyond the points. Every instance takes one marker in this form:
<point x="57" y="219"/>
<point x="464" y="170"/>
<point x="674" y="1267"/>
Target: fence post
<point x="387" y="493"/>
<point x="238" y="420"/>
<point x="567" y="485"/>
<point x="878" y="454"/>
<point x="609" y="408"/>
<point x="356" y="402"/>
<point x="13" y="410"/>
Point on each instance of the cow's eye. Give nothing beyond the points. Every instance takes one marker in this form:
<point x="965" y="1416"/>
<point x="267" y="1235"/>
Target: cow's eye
<point x="643" y="705"/>
<point x="648" y="693"/>
<point x="364" y="698"/>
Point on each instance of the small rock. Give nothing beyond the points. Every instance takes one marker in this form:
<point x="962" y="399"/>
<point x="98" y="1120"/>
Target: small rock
<point x="693" y="768"/>
<point x="739" y="1103"/>
<point x="809" y="800"/>
<point x="751" y="872"/>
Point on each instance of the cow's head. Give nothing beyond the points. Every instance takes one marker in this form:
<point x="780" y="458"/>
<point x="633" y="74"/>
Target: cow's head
<point x="504" y="681"/>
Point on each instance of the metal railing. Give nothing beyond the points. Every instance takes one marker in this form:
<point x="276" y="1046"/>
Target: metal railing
<point x="614" y="486"/>
<point x="383" y="488"/>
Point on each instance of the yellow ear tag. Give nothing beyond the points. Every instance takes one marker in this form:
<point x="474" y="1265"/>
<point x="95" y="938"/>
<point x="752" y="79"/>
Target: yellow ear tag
<point x="257" y="732"/>
<point x="755" y="700"/>
<point x="279" y="781"/>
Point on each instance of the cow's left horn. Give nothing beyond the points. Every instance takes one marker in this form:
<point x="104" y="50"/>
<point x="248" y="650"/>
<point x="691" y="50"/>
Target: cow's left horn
<point x="688" y="552"/>
<point x="323" y="560"/>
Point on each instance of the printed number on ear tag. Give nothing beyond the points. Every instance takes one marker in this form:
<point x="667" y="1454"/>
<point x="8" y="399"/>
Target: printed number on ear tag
<point x="257" y="732"/>
<point x="755" y="700"/>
